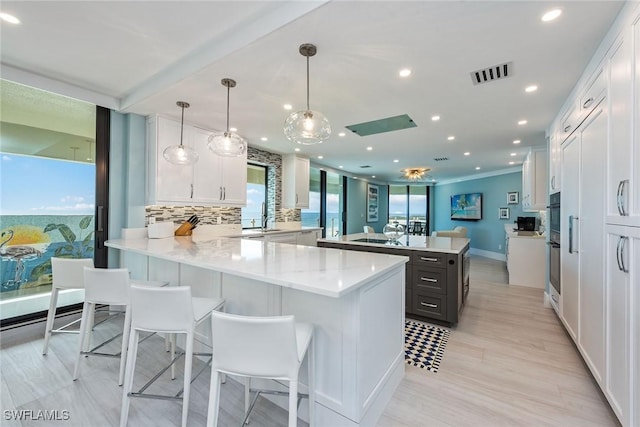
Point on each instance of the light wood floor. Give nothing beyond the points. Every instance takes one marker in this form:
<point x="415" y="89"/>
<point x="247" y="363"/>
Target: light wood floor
<point x="508" y="363"/>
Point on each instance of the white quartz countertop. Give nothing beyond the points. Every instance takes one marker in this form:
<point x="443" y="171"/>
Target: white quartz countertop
<point x="323" y="271"/>
<point x="451" y="245"/>
<point x="260" y="232"/>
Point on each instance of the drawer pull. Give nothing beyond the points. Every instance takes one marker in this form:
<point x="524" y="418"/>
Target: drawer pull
<point x="587" y="103"/>
<point x="429" y="279"/>
<point x="426" y="304"/>
<point x="429" y="259"/>
<point x="567" y="128"/>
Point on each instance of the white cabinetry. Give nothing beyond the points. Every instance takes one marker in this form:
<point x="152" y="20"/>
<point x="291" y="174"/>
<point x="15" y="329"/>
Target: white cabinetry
<point x="525" y="261"/>
<point x="582" y="237"/>
<point x="308" y="237"/>
<point x="534" y="181"/>
<point x="295" y="181"/>
<point x="555" y="140"/>
<point x="622" y="260"/>
<point x="213" y="181"/>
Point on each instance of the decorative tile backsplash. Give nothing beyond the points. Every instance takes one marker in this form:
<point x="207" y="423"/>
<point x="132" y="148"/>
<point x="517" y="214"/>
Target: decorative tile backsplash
<point x="231" y="215"/>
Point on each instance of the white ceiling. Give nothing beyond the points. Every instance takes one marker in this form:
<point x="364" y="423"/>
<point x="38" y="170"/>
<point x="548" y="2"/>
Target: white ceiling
<point x="142" y="57"/>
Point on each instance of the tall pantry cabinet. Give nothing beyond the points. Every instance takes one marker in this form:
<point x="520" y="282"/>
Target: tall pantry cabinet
<point x="598" y="134"/>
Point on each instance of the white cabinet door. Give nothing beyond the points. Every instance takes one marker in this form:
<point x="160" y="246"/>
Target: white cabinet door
<point x="622" y="260"/>
<point x="295" y="182"/>
<point x="569" y="209"/>
<point x="207" y="177"/>
<point x="554" y="159"/>
<point x="593" y="135"/>
<point x="534" y="181"/>
<point x="620" y="183"/>
<point x="234" y="180"/>
<point x="166" y="182"/>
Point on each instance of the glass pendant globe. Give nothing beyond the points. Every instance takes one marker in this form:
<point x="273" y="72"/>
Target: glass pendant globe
<point x="180" y="155"/>
<point x="227" y="144"/>
<point x="307" y="127"/>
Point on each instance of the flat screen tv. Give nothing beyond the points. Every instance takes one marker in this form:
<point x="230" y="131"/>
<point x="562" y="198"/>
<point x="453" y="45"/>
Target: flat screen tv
<point x="466" y="206"/>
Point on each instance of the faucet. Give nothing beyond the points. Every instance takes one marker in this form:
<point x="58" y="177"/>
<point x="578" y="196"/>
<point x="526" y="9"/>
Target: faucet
<point x="265" y="218"/>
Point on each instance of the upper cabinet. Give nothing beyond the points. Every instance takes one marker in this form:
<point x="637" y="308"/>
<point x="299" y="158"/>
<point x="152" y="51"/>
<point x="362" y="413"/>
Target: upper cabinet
<point x="213" y="181"/>
<point x="295" y="182"/>
<point x="534" y="181"/>
<point x="554" y="158"/>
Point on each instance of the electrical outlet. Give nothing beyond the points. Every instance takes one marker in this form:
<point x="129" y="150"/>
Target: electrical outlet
<point x="152" y="220"/>
<point x="219" y="220"/>
<point x="499" y="247"/>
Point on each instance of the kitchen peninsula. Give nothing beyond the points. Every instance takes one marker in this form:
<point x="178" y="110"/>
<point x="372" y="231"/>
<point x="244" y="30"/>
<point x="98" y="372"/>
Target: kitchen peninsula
<point x="355" y="301"/>
<point x="437" y="275"/>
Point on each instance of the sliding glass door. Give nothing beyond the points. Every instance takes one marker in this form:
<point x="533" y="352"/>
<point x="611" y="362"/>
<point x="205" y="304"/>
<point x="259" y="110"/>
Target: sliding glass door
<point x="409" y="206"/>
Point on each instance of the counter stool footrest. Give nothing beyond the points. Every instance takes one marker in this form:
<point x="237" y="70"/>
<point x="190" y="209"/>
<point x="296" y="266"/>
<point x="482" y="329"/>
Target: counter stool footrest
<point x="154" y="396"/>
<point x="141" y="393"/>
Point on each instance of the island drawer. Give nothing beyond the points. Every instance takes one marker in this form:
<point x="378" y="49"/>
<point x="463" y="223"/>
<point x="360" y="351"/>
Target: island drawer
<point x="429" y="279"/>
<point x="430" y="305"/>
<point x="429" y="258"/>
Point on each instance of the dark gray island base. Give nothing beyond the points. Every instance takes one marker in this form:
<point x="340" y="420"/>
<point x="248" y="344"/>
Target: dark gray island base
<point x="437" y="274"/>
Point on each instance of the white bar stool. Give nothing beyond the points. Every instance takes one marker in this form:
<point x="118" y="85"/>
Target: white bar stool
<point x="260" y="347"/>
<point x="170" y="310"/>
<point x="109" y="287"/>
<point x="67" y="273"/>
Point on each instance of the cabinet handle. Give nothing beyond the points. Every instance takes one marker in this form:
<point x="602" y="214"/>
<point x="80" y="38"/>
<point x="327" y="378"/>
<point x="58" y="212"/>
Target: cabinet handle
<point x="553" y="182"/>
<point x="571" y="218"/>
<point x="622" y="242"/>
<point x="567" y="128"/>
<point x="429" y="259"/>
<point x="587" y="102"/>
<point x="428" y="279"/>
<point x="224" y="193"/>
<point x="220" y="197"/>
<point x="296" y="198"/>
<point x="620" y="197"/>
<point x="191" y="196"/>
<point x="429" y="305"/>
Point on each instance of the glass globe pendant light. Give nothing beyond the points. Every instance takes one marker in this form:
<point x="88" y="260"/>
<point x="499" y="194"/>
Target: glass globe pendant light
<point x="228" y="144"/>
<point x="307" y="127"/>
<point x="181" y="154"/>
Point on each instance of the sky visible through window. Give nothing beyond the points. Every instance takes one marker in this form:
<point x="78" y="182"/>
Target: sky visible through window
<point x="43" y="186"/>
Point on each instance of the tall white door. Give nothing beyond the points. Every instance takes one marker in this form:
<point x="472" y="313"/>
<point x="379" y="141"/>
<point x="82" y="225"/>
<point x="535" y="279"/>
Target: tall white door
<point x="591" y="244"/>
<point x="569" y="213"/>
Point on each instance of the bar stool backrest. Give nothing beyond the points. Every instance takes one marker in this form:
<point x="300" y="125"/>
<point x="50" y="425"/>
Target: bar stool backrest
<point x="254" y="346"/>
<point x="67" y="273"/>
<point x="165" y="309"/>
<point x="106" y="285"/>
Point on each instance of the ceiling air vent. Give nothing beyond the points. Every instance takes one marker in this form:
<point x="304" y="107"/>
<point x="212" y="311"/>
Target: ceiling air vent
<point x="497" y="72"/>
<point x="365" y="166"/>
<point x="440" y="159"/>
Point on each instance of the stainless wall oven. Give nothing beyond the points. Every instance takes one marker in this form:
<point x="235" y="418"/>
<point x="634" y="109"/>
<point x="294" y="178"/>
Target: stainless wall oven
<point x="554" y="242"/>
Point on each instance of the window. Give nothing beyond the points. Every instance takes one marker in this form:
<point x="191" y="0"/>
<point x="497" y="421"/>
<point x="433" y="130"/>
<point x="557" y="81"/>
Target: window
<point x="311" y="217"/>
<point x="251" y="216"/>
<point x="326" y="202"/>
<point x="408" y="205"/>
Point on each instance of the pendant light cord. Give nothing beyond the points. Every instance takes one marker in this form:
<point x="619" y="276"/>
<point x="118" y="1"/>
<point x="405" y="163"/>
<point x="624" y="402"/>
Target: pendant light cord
<point x="181" y="126"/>
<point x="228" y="89"/>
<point x="308" y="109"/>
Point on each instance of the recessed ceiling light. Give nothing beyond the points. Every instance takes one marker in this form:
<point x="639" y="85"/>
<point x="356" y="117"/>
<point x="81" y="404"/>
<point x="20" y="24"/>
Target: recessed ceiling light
<point x="321" y="157"/>
<point x="522" y="122"/>
<point x="287" y="106"/>
<point x="341" y="167"/>
<point x="296" y="149"/>
<point x="369" y="148"/>
<point x="517" y="141"/>
<point x="433" y="180"/>
<point x="477" y="168"/>
<point x="551" y="15"/>
<point x="341" y="134"/>
<point x="512" y="163"/>
<point x="395" y="160"/>
<point x="405" y="72"/>
<point x="512" y="154"/>
<point x="451" y="138"/>
<point x="264" y="138"/>
<point x="373" y="176"/>
<point x="9" y="18"/>
<point x="233" y="129"/>
<point x="531" y="88"/>
<point x="435" y="118"/>
<point x="467" y="153"/>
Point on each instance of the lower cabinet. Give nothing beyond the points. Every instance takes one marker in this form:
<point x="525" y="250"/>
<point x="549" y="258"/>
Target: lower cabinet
<point x="622" y="381"/>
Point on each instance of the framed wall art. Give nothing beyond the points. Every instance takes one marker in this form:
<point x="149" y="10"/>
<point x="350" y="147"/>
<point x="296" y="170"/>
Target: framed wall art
<point x="503" y="213"/>
<point x="512" y="198"/>
<point x="372" y="203"/>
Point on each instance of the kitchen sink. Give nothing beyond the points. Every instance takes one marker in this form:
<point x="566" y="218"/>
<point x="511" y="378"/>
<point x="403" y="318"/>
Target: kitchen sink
<point x="270" y="230"/>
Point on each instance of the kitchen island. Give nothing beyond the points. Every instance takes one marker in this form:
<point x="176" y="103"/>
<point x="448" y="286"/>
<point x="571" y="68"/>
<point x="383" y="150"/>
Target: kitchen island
<point x="355" y="301"/>
<point x="437" y="275"/>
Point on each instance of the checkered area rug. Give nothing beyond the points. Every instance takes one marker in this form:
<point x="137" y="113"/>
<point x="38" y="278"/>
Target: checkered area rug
<point x="424" y="345"/>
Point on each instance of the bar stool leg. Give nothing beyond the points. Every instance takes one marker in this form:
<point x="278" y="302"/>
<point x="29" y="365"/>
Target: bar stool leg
<point x="311" y="368"/>
<point x="247" y="396"/>
<point x="172" y="354"/>
<point x="293" y="402"/>
<point x="214" y="399"/>
<point x="188" y="362"/>
<point x="128" y="377"/>
<point x="51" y="315"/>
<point x="85" y="323"/>
<point x="125" y="341"/>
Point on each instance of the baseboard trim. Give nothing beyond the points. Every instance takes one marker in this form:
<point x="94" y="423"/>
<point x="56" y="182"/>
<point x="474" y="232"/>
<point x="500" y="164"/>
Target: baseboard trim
<point x="488" y="254"/>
